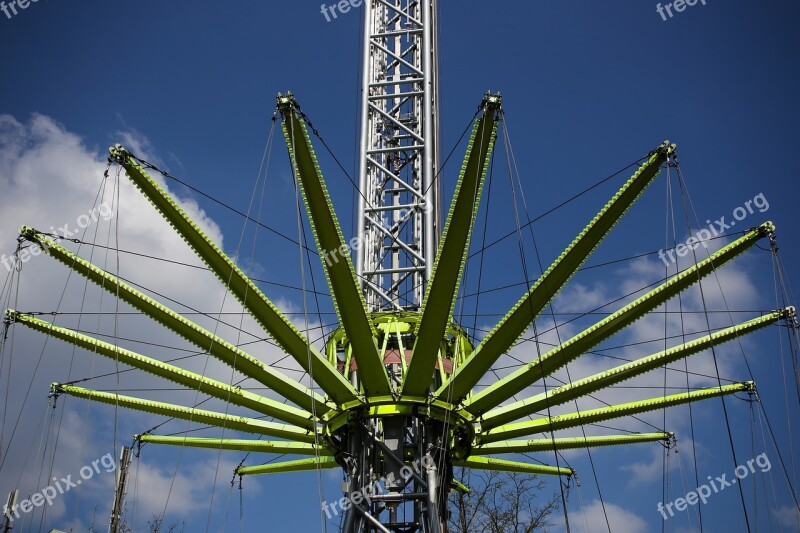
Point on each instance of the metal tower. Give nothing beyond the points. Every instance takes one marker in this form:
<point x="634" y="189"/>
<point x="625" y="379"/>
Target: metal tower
<point x="398" y="207"/>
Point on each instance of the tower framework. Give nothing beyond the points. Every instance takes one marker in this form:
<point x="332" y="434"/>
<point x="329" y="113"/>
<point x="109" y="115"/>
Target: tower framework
<point x="398" y="206"/>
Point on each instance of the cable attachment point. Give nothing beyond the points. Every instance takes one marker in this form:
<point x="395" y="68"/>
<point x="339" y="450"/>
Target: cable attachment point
<point x="773" y="243"/>
<point x="236" y="473"/>
<point x="669" y="442"/>
<point x="671" y="151"/>
<point x="11" y="316"/>
<point x="286" y="103"/>
<point x="55" y="392"/>
<point x="766" y="229"/>
<point x="753" y="396"/>
<point x="790" y="315"/>
<point x="491" y="103"/>
<point x="118" y="154"/>
<point x="6" y="326"/>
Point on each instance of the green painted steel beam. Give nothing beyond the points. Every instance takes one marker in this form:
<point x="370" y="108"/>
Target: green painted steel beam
<point x="442" y="289"/>
<point x="285" y="334"/>
<point x="602" y="380"/>
<point x="193" y="381"/>
<point x="602" y="414"/>
<point x="525" y="311"/>
<point x="459" y="486"/>
<point x="348" y="299"/>
<point x="501" y="465"/>
<point x="199" y="416"/>
<point x="547" y="445"/>
<point x="236" y="445"/>
<point x="301" y="465"/>
<point x="584" y="341"/>
<point x="202" y="338"/>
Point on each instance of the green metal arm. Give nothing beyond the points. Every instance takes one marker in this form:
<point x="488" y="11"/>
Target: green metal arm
<point x="525" y="311"/>
<point x="556" y="358"/>
<point x="200" y="416"/>
<point x="440" y="298"/>
<point x="175" y="374"/>
<point x="501" y="465"/>
<point x="627" y="371"/>
<point x="301" y="465"/>
<point x="334" y="252"/>
<point x="593" y="416"/>
<point x="286" y="335"/>
<point x="202" y="338"/>
<point x="547" y="445"/>
<point x="236" y="445"/>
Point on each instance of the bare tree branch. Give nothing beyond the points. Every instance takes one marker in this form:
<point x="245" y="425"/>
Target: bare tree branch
<point x="500" y="503"/>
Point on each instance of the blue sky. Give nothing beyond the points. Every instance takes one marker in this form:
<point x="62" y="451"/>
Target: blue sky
<point x="588" y="88"/>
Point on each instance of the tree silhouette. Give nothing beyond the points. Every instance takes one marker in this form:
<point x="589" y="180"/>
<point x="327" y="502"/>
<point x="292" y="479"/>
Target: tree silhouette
<point x="500" y="503"/>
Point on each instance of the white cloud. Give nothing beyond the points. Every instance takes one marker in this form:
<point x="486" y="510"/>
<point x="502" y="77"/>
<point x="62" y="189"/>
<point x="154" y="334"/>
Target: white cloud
<point x="48" y="178"/>
<point x="788" y="516"/>
<point x="592" y="519"/>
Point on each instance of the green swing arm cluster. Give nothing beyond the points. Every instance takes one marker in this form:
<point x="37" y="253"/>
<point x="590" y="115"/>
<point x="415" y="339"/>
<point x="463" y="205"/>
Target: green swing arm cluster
<point x="443" y="367"/>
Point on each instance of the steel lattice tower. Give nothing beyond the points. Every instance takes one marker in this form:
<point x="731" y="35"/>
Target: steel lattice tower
<point x="398" y="230"/>
<point x="399" y="203"/>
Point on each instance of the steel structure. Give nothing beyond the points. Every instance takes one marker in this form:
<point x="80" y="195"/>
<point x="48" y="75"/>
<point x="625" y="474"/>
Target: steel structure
<point x="398" y="207"/>
<point x="396" y="406"/>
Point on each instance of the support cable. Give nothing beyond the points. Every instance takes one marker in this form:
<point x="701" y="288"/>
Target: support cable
<point x="264" y="166"/>
<point x="672" y="222"/>
<point x="560" y="205"/>
<point x="684" y="194"/>
<point x="218" y="321"/>
<point x="100" y="195"/>
<point x="300" y="236"/>
<point x="520" y="245"/>
<point x="246" y="216"/>
<point x="792" y="328"/>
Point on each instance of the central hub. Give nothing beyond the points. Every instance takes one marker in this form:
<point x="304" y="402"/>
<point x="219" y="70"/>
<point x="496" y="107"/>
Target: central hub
<point x="397" y="447"/>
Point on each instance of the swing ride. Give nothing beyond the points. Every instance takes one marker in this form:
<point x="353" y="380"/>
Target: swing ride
<point x="393" y="395"/>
